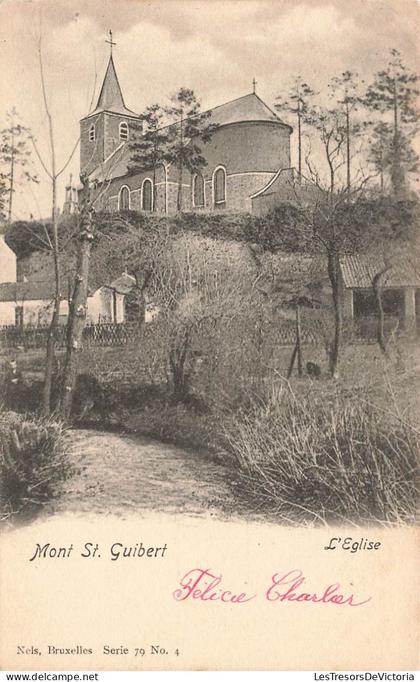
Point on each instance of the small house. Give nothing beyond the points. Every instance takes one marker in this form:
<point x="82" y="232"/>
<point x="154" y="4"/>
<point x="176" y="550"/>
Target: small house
<point x="398" y="278"/>
<point x="31" y="303"/>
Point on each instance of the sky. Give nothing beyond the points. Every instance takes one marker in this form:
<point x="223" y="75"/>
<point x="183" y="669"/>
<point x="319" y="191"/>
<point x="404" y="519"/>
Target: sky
<point x="213" y="47"/>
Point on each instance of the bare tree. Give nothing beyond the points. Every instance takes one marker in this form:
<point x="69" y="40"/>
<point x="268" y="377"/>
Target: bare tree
<point x="297" y="101"/>
<point x="53" y="173"/>
<point x="344" y="91"/>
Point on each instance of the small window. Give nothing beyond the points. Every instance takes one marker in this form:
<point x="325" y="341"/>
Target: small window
<point x="123" y="131"/>
<point x="19" y="316"/>
<point x="198" y="191"/>
<point x="92" y="133"/>
<point x="124" y="199"/>
<point x="147" y="195"/>
<point x="219" y="185"/>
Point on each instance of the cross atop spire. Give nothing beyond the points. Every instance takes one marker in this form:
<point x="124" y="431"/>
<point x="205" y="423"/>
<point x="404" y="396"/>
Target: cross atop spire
<point x="254" y="85"/>
<point x="110" y="42"/>
<point x="110" y="97"/>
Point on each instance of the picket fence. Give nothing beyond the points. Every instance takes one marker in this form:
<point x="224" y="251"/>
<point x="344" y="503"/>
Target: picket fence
<point x="122" y="334"/>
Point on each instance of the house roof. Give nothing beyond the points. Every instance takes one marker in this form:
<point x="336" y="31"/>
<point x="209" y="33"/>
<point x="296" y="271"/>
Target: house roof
<point x="248" y="108"/>
<point x="110" y="97"/>
<point x="26" y="291"/>
<point x="44" y="290"/>
<point x="401" y="270"/>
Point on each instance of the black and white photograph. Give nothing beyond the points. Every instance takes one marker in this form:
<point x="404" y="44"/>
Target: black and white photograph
<point x="209" y="331"/>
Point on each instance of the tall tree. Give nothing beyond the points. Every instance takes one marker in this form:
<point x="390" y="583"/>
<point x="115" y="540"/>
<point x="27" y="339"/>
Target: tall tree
<point x="343" y="91"/>
<point x="149" y="148"/>
<point x="78" y="301"/>
<point x="3" y="198"/>
<point x="190" y="128"/>
<point x="297" y="101"/>
<point x="394" y="93"/>
<point x="51" y="170"/>
<point x="15" y="157"/>
<point x="381" y="151"/>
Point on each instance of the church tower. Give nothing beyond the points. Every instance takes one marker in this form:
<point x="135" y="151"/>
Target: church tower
<point x="107" y="127"/>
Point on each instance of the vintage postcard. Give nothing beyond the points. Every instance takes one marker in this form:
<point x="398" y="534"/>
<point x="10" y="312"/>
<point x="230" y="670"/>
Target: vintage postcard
<point x="209" y="335"/>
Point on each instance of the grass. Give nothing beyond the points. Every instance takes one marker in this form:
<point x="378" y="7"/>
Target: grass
<point x="304" y="451"/>
<point x="33" y="463"/>
<point x="326" y="458"/>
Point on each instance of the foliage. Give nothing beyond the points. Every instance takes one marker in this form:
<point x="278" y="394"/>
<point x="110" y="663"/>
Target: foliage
<point x="297" y="101"/>
<point x="326" y="460"/>
<point x="394" y="93"/>
<point x="26" y="236"/>
<point x="381" y="151"/>
<point x="33" y="462"/>
<point x="189" y="130"/>
<point x="3" y="198"/>
<point x="149" y="146"/>
<point x="15" y="157"/>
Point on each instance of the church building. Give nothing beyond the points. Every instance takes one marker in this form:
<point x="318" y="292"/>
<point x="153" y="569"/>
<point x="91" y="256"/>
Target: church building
<point x="248" y="151"/>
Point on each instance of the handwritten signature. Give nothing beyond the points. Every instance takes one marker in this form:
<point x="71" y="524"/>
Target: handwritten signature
<point x="202" y="584"/>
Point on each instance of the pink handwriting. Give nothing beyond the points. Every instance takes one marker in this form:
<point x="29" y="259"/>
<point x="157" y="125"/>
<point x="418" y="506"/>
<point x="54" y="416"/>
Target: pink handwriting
<point x="294" y="579"/>
<point x="202" y="584"/>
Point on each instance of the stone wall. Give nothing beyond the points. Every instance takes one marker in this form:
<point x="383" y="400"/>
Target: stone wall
<point x="107" y="138"/>
<point x="251" y="154"/>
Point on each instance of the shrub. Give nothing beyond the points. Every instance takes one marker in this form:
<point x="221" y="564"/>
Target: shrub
<point x="33" y="461"/>
<point x="326" y="461"/>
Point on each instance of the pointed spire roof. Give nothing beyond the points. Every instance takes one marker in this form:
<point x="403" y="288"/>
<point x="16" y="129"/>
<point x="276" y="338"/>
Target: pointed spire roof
<point x="110" y="97"/>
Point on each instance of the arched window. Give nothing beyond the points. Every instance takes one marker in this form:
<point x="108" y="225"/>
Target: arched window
<point x="219" y="185"/>
<point x="92" y="133"/>
<point x="124" y="199"/>
<point x="123" y="130"/>
<point x="147" y="195"/>
<point x="198" y="191"/>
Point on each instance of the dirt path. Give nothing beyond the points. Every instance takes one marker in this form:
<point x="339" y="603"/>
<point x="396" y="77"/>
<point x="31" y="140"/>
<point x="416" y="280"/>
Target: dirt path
<point x="121" y="474"/>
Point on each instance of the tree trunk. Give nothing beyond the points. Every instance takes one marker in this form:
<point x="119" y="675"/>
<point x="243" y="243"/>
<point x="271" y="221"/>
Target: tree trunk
<point x="397" y="171"/>
<point x="380" y="333"/>
<point x="299" y="143"/>
<point x="50" y="358"/>
<point x="333" y="274"/>
<point x="12" y="181"/>
<point x="348" y="161"/>
<point x="177" y="359"/>
<point x="77" y="319"/>
<point x="179" y="195"/>
<point x="181" y="148"/>
<point x="292" y="362"/>
<point x="52" y="332"/>
<point x="154" y="189"/>
<point x="298" y="342"/>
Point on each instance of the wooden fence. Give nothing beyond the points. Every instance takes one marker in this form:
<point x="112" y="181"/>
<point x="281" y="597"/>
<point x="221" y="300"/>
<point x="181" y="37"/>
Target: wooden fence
<point x="112" y="334"/>
<point x="106" y="334"/>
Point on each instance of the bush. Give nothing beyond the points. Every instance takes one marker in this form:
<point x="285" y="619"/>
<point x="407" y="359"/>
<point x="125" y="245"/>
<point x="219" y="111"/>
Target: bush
<point x="185" y="424"/>
<point x="326" y="461"/>
<point x="33" y="461"/>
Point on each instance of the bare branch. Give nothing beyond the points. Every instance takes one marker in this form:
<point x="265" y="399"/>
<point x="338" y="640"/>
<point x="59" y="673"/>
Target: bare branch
<point x="40" y="158"/>
<point x="69" y="159"/>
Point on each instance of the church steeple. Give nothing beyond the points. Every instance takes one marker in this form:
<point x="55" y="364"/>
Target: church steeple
<point x="110" y="97"/>
<point x="109" y="125"/>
